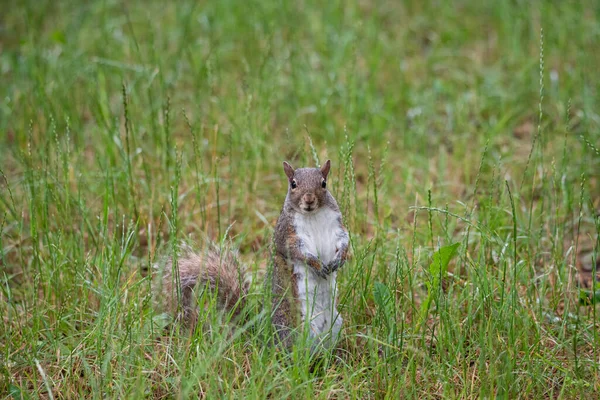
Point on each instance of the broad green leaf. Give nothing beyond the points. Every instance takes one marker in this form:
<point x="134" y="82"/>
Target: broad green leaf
<point x="438" y="269"/>
<point x="385" y="303"/>
<point x="587" y="297"/>
<point x="383" y="299"/>
<point x="16" y="393"/>
<point x="439" y="266"/>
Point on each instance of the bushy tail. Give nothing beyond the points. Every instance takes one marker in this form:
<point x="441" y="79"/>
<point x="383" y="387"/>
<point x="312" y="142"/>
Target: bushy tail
<point x="214" y="269"/>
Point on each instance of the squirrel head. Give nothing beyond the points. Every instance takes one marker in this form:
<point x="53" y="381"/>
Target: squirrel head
<point x="307" y="190"/>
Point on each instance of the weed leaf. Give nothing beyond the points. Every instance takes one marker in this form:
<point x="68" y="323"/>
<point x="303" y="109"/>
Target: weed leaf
<point x="439" y="266"/>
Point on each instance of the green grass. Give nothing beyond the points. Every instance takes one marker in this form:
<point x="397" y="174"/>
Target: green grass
<point x="128" y="126"/>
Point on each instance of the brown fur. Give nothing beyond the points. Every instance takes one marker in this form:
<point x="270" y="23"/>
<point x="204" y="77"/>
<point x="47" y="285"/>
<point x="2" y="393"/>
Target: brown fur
<point x="308" y="182"/>
<point x="220" y="271"/>
<point x="289" y="247"/>
<point x="217" y="270"/>
<point x="285" y="306"/>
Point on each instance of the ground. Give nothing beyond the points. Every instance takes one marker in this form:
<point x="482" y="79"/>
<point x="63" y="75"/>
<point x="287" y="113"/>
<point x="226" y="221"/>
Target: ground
<point x="128" y="126"/>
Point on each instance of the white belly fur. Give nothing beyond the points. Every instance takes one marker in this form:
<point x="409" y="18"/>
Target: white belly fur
<point x="317" y="295"/>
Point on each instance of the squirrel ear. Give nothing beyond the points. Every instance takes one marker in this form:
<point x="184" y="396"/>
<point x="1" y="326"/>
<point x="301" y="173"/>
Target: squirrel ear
<point x="289" y="170"/>
<point x="325" y="168"/>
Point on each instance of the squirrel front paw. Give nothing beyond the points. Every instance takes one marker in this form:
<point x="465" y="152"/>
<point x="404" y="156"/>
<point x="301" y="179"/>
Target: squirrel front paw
<point x="317" y="266"/>
<point x="334" y="265"/>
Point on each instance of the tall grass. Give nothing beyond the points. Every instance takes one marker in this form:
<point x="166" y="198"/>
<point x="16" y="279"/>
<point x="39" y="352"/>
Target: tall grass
<point x="127" y="127"/>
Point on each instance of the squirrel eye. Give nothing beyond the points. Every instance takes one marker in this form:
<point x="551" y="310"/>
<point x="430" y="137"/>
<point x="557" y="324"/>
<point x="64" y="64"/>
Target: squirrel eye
<point x="324" y="184"/>
<point x="294" y="184"/>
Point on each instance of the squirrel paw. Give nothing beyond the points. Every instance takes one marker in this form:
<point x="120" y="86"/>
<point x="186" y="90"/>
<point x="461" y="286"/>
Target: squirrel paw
<point x="318" y="266"/>
<point x="323" y="273"/>
<point x="334" y="265"/>
<point x="330" y="267"/>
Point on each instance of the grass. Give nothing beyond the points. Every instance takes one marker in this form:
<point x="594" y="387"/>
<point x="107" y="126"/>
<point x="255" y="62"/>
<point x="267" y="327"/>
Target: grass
<point x="126" y="127"/>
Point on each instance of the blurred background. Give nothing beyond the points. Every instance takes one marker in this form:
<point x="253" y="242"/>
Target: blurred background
<point x="126" y="126"/>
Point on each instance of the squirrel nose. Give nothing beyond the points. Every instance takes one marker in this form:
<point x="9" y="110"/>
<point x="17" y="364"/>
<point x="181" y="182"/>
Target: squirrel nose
<point x="309" y="198"/>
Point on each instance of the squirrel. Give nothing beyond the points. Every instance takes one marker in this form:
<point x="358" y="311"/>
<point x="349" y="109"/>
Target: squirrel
<point x="310" y="245"/>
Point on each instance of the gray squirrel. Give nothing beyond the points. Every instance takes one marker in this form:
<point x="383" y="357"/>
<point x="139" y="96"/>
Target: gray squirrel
<point x="310" y="245"/>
